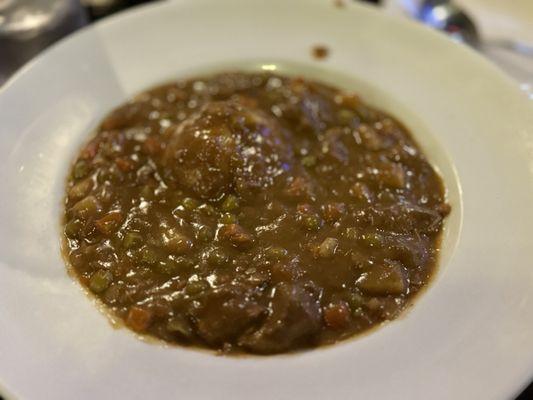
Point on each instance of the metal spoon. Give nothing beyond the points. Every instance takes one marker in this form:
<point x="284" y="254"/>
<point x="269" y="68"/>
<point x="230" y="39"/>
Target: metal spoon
<point x="444" y="15"/>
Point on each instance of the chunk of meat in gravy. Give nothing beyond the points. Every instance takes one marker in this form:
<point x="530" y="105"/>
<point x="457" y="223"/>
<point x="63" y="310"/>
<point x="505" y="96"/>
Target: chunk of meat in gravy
<point x="225" y="313"/>
<point x="295" y="318"/>
<point x="227" y="147"/>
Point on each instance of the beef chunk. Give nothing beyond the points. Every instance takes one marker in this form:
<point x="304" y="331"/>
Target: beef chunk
<point x="294" y="319"/>
<point x="227" y="147"/>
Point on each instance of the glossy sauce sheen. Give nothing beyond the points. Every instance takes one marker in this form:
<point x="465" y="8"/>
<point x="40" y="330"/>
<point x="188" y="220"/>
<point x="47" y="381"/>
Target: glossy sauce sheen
<point x="252" y="213"/>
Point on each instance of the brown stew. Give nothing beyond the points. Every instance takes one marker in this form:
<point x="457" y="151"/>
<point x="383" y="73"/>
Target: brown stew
<point x="252" y="212"/>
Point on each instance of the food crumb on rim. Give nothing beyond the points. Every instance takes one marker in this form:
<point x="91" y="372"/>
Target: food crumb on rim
<point x="320" y="52"/>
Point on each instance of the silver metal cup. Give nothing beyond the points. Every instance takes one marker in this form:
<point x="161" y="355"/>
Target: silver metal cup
<point x="29" y="26"/>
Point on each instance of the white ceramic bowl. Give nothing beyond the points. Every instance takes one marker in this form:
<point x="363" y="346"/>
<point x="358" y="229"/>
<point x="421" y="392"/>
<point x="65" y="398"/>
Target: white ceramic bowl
<point x="470" y="336"/>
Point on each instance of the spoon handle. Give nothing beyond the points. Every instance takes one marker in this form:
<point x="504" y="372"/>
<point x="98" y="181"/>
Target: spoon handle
<point x="515" y="46"/>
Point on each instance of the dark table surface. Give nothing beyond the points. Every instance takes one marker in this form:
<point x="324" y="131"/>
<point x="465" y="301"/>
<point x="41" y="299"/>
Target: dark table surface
<point x="97" y="13"/>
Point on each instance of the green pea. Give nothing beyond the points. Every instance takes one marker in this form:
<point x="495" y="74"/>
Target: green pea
<point x="355" y="300"/>
<point x="132" y="240"/>
<point x="107" y="149"/>
<point x="228" y="219"/>
<point x="180" y="326"/>
<point x="276" y="253"/>
<point x="175" y="197"/>
<point x="149" y="256"/>
<point x="346" y="116"/>
<point x="217" y="257"/>
<point x="311" y="222"/>
<point x="147" y="192"/>
<point x="189" y="203"/>
<point x="308" y="161"/>
<point x="80" y="170"/>
<point x="366" y="114"/>
<point x="103" y="176"/>
<point x="80" y="189"/>
<point x="100" y="281"/>
<point x="231" y="203"/>
<point x="204" y="233"/>
<point x="208" y="209"/>
<point x="73" y="228"/>
<point x="351" y="233"/>
<point x="387" y="196"/>
<point x="167" y="267"/>
<point x="196" y="287"/>
<point x="184" y="263"/>
<point x="372" y="239"/>
<point x="358" y="312"/>
<point x="225" y="132"/>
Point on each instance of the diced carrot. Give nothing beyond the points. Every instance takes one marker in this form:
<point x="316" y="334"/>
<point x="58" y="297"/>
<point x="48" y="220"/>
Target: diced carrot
<point x="298" y="188"/>
<point x="332" y="212"/>
<point x="337" y="316"/>
<point x="139" y="319"/>
<point x="124" y="164"/>
<point x="90" y="150"/>
<point x="393" y="175"/>
<point x="109" y="222"/>
<point x="281" y="273"/>
<point x="152" y="145"/>
<point x="304" y="208"/>
<point x="236" y="235"/>
<point x="444" y="209"/>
